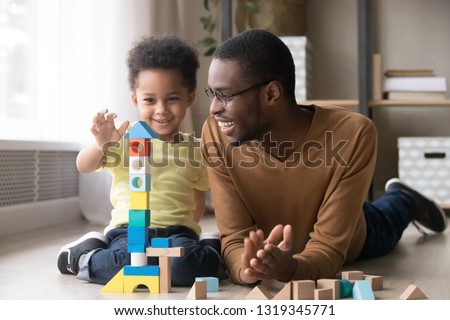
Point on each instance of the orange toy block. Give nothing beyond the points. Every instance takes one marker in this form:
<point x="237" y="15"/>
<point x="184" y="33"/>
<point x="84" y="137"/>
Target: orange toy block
<point x="413" y="293"/>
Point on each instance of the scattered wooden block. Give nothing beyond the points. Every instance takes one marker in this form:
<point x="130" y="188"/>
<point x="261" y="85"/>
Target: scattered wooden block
<point x="212" y="283"/>
<point x="362" y="290"/>
<point x="285" y="293"/>
<point x="303" y="290"/>
<point x="330" y="283"/>
<point x="259" y="292"/>
<point x="198" y="291"/>
<point x="352" y="275"/>
<point x="376" y="282"/>
<point x="323" y="294"/>
<point x="413" y="293"/>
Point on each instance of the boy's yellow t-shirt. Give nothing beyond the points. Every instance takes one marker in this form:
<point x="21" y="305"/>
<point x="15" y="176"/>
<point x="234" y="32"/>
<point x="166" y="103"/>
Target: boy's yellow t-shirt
<point x="176" y="169"/>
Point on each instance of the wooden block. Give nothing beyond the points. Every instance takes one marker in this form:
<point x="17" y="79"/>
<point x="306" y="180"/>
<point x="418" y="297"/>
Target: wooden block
<point x="138" y="147"/>
<point x="138" y="258"/>
<point x="212" y="283"/>
<point x="413" y="293"/>
<point x="324" y="294"/>
<point x="303" y="290"/>
<point x="115" y="284"/>
<point x="139" y="182"/>
<point x="345" y="288"/>
<point x="142" y="130"/>
<point x="285" y="293"/>
<point x="198" y="291"/>
<point x="362" y="290"/>
<point x="352" y="275"/>
<point x="141" y="271"/>
<point x="139" y="200"/>
<point x="138" y="218"/>
<point x="376" y="282"/>
<point x="165" y="275"/>
<point x="139" y="165"/>
<point x="138" y="236"/>
<point x="165" y="252"/>
<point x="334" y="284"/>
<point x="259" y="292"/>
<point x="161" y="243"/>
<point x="130" y="283"/>
<point x="137" y="248"/>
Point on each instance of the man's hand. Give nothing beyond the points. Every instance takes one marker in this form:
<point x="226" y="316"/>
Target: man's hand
<point x="270" y="258"/>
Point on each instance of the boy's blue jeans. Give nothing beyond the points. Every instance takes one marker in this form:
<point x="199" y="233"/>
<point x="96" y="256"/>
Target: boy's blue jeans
<point x="198" y="260"/>
<point x="386" y="218"/>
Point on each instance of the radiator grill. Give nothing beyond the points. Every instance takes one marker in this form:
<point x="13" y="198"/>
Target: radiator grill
<point x="28" y="176"/>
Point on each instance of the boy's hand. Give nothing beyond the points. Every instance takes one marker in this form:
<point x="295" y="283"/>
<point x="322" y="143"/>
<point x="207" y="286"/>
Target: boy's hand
<point x="271" y="258"/>
<point x="104" y="130"/>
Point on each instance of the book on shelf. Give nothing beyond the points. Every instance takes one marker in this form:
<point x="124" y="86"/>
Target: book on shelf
<point x="423" y="84"/>
<point x="414" y="95"/>
<point x="409" y="73"/>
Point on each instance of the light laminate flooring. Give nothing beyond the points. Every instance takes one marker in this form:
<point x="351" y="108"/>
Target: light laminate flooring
<point x="28" y="268"/>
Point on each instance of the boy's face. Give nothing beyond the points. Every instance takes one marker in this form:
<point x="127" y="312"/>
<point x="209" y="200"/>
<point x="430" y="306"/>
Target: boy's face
<point x="162" y="100"/>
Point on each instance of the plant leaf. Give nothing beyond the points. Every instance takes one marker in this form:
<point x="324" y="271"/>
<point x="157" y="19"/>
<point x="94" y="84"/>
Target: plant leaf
<point x="210" y="51"/>
<point x="207" y="41"/>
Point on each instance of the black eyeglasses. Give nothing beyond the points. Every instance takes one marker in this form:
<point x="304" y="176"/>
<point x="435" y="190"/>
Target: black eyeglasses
<point x="223" y="98"/>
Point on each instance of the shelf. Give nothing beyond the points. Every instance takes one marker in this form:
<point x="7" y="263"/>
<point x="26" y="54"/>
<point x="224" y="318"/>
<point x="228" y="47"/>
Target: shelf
<point x="408" y="103"/>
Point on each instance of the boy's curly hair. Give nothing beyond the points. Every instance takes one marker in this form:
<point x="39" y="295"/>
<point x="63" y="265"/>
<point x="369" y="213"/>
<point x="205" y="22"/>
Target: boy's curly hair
<point x="166" y="53"/>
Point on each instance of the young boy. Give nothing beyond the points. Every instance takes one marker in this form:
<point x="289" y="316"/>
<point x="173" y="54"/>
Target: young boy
<point x="162" y="79"/>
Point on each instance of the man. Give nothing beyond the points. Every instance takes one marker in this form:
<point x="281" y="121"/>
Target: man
<point x="288" y="181"/>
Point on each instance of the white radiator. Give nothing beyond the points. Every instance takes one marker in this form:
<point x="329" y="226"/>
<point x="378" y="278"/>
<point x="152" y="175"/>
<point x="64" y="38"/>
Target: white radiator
<point x="38" y="185"/>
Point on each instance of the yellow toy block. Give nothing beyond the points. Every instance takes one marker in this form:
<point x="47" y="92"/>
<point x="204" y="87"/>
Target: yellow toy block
<point x="139" y="201"/>
<point x="130" y="283"/>
<point x="115" y="284"/>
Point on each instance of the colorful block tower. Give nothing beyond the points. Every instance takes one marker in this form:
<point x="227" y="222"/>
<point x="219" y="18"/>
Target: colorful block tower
<point x="138" y="142"/>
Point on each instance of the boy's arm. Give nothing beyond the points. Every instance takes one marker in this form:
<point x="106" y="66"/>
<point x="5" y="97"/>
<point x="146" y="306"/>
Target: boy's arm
<point x="90" y="159"/>
<point x="199" y="197"/>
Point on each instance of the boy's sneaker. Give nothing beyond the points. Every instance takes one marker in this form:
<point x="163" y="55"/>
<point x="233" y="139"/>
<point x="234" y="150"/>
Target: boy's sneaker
<point x="69" y="255"/>
<point x="428" y="213"/>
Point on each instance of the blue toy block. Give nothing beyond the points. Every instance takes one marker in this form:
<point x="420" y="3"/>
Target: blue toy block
<point x="161" y="243"/>
<point x="138" y="235"/>
<point x="142" y="130"/>
<point x="141" y="270"/>
<point x="136" y="248"/>
<point x="138" y="218"/>
<point x="140" y="182"/>
<point x="362" y="290"/>
<point x="212" y="283"/>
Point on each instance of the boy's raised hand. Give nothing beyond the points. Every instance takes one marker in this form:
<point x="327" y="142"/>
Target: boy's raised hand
<point x="104" y="130"/>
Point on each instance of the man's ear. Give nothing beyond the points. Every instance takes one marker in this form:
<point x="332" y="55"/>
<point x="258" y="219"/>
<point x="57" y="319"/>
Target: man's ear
<point x="191" y="98"/>
<point x="134" y="98"/>
<point x="273" y="92"/>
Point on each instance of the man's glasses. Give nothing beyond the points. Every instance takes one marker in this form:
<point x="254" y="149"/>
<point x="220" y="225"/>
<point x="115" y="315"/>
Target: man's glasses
<point x="223" y="98"/>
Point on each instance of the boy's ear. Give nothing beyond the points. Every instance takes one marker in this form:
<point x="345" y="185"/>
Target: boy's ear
<point x="191" y="98"/>
<point x="134" y="98"/>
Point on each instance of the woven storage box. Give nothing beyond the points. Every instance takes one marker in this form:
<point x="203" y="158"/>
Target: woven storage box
<point x="424" y="164"/>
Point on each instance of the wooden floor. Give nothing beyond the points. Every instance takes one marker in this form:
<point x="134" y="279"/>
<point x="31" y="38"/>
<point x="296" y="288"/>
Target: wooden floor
<point x="28" y="268"/>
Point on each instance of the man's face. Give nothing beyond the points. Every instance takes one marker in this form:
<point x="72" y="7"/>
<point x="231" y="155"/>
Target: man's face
<point x="242" y="119"/>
